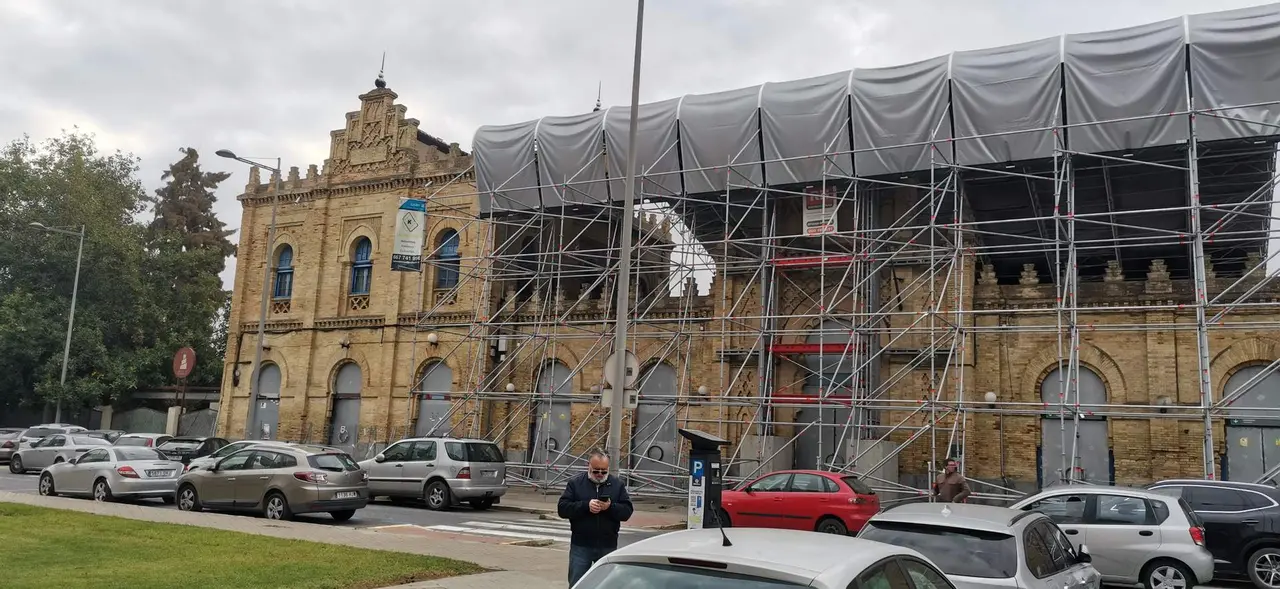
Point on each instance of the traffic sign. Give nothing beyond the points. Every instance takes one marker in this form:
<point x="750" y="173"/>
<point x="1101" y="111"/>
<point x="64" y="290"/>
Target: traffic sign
<point x="184" y="362"/>
<point x="632" y="364"/>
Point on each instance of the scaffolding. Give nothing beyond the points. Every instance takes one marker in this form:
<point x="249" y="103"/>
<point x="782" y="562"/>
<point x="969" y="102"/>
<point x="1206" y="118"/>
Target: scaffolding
<point x="823" y="267"/>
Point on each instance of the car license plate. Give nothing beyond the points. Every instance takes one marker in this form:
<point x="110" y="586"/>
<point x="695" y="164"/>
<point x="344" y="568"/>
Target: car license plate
<point x="346" y="495"/>
<point x="489" y="473"/>
<point x="159" y="473"/>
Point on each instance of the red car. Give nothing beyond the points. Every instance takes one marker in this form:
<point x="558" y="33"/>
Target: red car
<point x="814" y="500"/>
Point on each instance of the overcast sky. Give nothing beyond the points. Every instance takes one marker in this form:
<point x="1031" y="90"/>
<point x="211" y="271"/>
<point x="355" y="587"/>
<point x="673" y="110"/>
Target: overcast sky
<point x="272" y="78"/>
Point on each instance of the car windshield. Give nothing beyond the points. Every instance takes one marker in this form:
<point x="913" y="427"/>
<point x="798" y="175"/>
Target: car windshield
<point x="332" y="462"/>
<point x="228" y="449"/>
<point x="612" y="575"/>
<point x="88" y="441"/>
<point x="473" y="451"/>
<point x="967" y="553"/>
<point x="40" y="432"/>
<point x="858" y="486"/>
<point x="180" y="445"/>
<point x="132" y="441"/>
<point x="139" y="454"/>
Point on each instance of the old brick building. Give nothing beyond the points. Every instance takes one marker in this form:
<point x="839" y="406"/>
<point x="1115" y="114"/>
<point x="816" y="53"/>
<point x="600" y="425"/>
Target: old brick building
<point x="1040" y="305"/>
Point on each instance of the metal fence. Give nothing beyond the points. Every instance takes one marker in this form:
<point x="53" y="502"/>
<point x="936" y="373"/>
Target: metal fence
<point x="142" y="420"/>
<point x="199" y="423"/>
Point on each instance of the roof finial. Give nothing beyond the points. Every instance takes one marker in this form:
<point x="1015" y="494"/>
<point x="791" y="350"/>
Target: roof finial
<point x="381" y="82"/>
<point x="599" y="87"/>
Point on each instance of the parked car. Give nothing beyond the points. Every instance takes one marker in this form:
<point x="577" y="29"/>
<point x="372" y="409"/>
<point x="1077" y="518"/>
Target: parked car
<point x="184" y="449"/>
<point x="110" y="473"/>
<point x="10" y="438"/>
<point x="812" y="500"/>
<point x="143" y="440"/>
<point x="443" y="472"/>
<point x="1135" y="536"/>
<point x="52" y="450"/>
<point x="278" y="481"/>
<point x="980" y="546"/>
<point x="37" y="432"/>
<point x="1241" y="525"/>
<point x="754" y="558"/>
<point x="110" y="435"/>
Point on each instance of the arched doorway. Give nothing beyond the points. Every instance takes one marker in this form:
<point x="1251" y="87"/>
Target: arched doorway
<point x="1092" y="460"/>
<point x="266" y="415"/>
<point x="1253" y="436"/>
<point x="824" y="443"/>
<point x="654" y="440"/>
<point x="345" y="418"/>
<point x="434" y="385"/>
<point x="549" y="429"/>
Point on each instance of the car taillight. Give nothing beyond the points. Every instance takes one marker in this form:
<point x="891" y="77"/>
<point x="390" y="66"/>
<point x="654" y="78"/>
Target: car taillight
<point x="127" y="472"/>
<point x="465" y="473"/>
<point x="1197" y="536"/>
<point x="857" y="501"/>
<point x="6" y="445"/>
<point x="311" y="477"/>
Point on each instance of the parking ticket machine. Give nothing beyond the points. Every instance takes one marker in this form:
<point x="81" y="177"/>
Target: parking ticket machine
<point x="704" y="477"/>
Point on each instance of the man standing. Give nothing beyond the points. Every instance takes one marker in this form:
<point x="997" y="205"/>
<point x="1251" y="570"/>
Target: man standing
<point x="595" y="503"/>
<point x="950" y="486"/>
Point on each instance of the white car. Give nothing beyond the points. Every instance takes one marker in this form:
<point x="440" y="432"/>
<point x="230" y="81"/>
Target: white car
<point x="760" y="558"/>
<point x="1136" y="537"/>
<point x="109" y="473"/>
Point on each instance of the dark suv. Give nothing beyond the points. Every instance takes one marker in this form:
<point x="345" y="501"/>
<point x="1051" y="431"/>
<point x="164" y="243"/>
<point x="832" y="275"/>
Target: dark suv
<point x="1242" y="526"/>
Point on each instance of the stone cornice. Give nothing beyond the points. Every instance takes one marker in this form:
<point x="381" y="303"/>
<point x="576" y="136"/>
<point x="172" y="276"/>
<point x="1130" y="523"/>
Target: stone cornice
<point x="356" y="189"/>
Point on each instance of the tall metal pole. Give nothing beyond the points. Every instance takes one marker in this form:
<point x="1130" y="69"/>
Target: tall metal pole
<point x="71" y="320"/>
<point x="619" y="404"/>
<point x="262" y="309"/>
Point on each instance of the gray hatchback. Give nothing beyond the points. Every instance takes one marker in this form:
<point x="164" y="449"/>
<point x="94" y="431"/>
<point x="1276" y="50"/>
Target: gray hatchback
<point x="278" y="481"/>
<point x="983" y="547"/>
<point x="443" y="472"/>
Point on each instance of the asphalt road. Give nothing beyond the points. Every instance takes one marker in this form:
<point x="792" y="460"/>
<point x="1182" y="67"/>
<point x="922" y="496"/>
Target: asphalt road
<point x="496" y="525"/>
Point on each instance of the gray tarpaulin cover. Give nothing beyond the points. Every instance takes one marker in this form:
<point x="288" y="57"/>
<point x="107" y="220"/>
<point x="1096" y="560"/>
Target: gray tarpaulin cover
<point x="1004" y="102"/>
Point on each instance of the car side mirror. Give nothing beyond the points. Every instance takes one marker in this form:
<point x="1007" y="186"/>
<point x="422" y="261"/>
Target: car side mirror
<point x="1083" y="555"/>
<point x="380" y="458"/>
<point x="75" y="460"/>
<point x="749" y="491"/>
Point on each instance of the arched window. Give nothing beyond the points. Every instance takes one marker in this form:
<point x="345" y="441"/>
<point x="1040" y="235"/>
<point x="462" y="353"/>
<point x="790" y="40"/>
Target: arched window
<point x="283" y="287"/>
<point x="362" y="267"/>
<point x="447" y="267"/>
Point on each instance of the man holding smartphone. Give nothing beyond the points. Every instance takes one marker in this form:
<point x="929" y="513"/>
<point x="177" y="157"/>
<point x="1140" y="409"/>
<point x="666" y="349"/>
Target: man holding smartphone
<point x="595" y="503"/>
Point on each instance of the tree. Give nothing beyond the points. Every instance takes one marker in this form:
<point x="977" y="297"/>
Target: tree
<point x="185" y="205"/>
<point x="145" y="289"/>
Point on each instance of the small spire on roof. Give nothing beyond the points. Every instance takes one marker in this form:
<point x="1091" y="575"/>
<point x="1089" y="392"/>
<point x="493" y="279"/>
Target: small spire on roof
<point x="381" y="82"/>
<point x="599" y="87"/>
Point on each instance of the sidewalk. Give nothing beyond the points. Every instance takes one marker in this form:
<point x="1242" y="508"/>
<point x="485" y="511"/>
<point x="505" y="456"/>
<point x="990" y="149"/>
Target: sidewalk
<point x="514" y="566"/>
<point x="649" y="514"/>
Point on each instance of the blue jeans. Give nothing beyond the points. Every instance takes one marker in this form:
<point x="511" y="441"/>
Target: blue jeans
<point x="581" y="558"/>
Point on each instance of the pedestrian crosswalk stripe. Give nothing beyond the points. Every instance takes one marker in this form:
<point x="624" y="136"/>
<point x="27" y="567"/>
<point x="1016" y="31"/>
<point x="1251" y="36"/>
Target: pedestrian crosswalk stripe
<point x="527" y="529"/>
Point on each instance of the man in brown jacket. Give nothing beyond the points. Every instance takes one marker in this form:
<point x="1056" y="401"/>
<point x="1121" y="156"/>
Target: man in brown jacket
<point x="950" y="486"/>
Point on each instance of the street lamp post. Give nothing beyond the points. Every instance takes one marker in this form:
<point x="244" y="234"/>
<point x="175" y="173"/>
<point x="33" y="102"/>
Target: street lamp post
<point x="71" y="317"/>
<point x="266" y="279"/>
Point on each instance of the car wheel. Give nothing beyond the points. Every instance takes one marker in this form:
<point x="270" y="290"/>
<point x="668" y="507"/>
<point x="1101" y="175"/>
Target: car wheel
<point x="342" y="515"/>
<point x="1264" y="568"/>
<point x="58" y="460"/>
<point x="15" y="465"/>
<point x="1167" y="574"/>
<point x="436" y="495"/>
<point x="831" y="525"/>
<point x="101" y="490"/>
<point x="188" y="499"/>
<point x="276" y="507"/>
<point x="46" y="485"/>
<point x="481" y="504"/>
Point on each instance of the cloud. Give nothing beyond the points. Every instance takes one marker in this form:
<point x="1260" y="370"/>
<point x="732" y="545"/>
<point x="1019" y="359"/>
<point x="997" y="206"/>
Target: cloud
<point x="272" y="79"/>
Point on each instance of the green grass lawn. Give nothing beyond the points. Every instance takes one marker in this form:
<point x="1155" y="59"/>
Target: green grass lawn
<point x="44" y="548"/>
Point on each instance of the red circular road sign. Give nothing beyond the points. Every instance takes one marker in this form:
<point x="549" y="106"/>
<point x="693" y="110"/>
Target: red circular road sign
<point x="184" y="362"/>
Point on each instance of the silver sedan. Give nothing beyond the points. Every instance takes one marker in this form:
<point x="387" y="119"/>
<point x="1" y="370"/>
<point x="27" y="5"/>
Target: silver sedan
<point x="52" y="450"/>
<point x="114" y="473"/>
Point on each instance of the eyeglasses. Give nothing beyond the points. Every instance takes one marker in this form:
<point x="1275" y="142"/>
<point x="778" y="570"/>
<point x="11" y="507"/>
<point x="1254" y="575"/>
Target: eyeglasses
<point x="599" y="471"/>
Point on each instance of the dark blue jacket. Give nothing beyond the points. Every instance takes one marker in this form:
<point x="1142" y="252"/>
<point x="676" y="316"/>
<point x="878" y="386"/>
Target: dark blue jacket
<point x="594" y="530"/>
